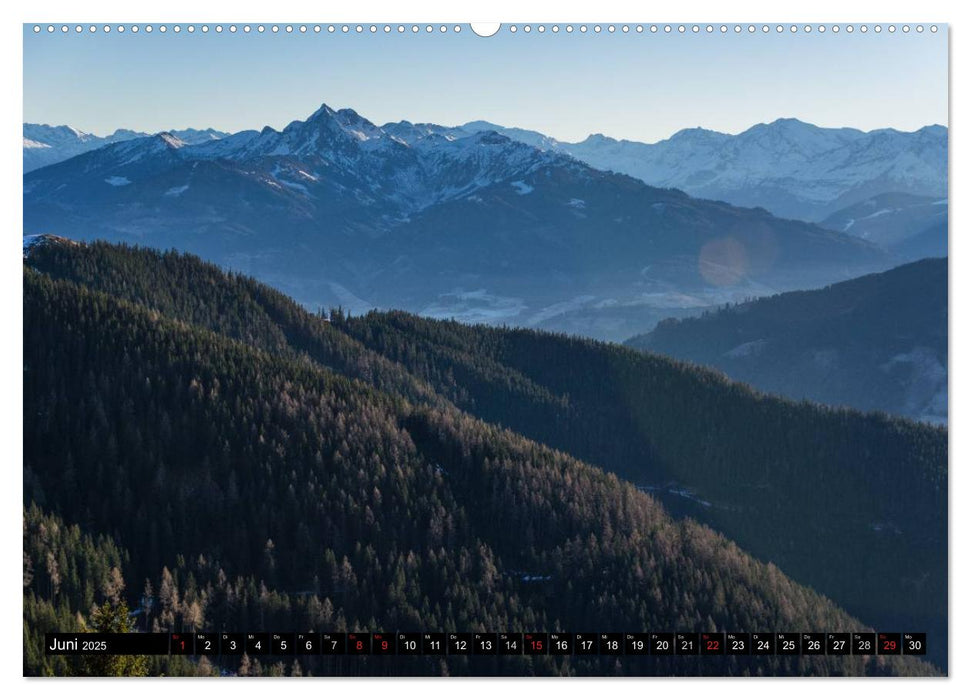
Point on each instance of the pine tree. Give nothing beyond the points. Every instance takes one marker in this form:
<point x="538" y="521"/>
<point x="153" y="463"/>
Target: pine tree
<point x="113" y="618"/>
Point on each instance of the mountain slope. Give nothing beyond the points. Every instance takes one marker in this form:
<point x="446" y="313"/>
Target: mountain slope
<point x="336" y="210"/>
<point x="203" y="449"/>
<point x="911" y="226"/>
<point x="874" y="343"/>
<point x="817" y="491"/>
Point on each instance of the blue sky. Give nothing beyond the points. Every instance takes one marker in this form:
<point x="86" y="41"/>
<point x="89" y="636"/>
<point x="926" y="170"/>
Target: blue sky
<point x="636" y="86"/>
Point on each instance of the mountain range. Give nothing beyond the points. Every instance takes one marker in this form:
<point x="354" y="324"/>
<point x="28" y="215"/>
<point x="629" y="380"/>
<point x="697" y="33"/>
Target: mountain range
<point x="792" y="168"/>
<point x="445" y="222"/>
<point x="878" y="342"/>
<point x="247" y="464"/>
<point x="45" y="144"/>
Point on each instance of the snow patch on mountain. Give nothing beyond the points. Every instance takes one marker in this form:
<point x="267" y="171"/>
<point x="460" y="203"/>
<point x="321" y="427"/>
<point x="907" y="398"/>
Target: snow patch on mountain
<point x="176" y="191"/>
<point x="925" y="378"/>
<point x="34" y="241"/>
<point x="475" y="306"/>
<point x="882" y="212"/>
<point x="554" y="310"/>
<point x="30" y="241"/>
<point x="752" y="348"/>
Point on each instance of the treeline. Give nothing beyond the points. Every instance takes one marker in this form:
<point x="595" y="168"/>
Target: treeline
<point x="391" y="513"/>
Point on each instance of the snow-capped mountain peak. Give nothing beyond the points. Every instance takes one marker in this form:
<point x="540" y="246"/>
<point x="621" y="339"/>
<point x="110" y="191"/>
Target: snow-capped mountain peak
<point x="55" y="136"/>
<point x="324" y="111"/>
<point x="408" y="167"/>
<point x="598" y="139"/>
<point x="698" y="134"/>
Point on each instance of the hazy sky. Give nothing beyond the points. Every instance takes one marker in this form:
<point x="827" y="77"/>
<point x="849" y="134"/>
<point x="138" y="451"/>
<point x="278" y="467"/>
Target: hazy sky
<point x="636" y="86"/>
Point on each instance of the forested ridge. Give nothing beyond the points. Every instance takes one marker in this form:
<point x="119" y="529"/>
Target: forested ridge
<point x="853" y="504"/>
<point x="877" y="342"/>
<point x="198" y="433"/>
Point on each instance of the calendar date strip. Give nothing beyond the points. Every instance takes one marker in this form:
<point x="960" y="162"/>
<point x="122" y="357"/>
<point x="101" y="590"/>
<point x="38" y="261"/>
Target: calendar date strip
<point x="489" y="644"/>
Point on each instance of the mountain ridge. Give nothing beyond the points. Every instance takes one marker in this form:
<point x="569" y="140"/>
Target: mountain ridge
<point x="45" y="144"/>
<point x="335" y="208"/>
<point x="877" y="342"/>
<point x="793" y="168"/>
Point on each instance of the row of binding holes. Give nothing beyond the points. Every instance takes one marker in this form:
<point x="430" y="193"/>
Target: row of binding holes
<point x="442" y="29"/>
<point x="709" y="29"/>
<point x="259" y="28"/>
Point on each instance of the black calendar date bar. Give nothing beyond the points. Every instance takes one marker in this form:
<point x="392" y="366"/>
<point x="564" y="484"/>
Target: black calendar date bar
<point x="486" y="644"/>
